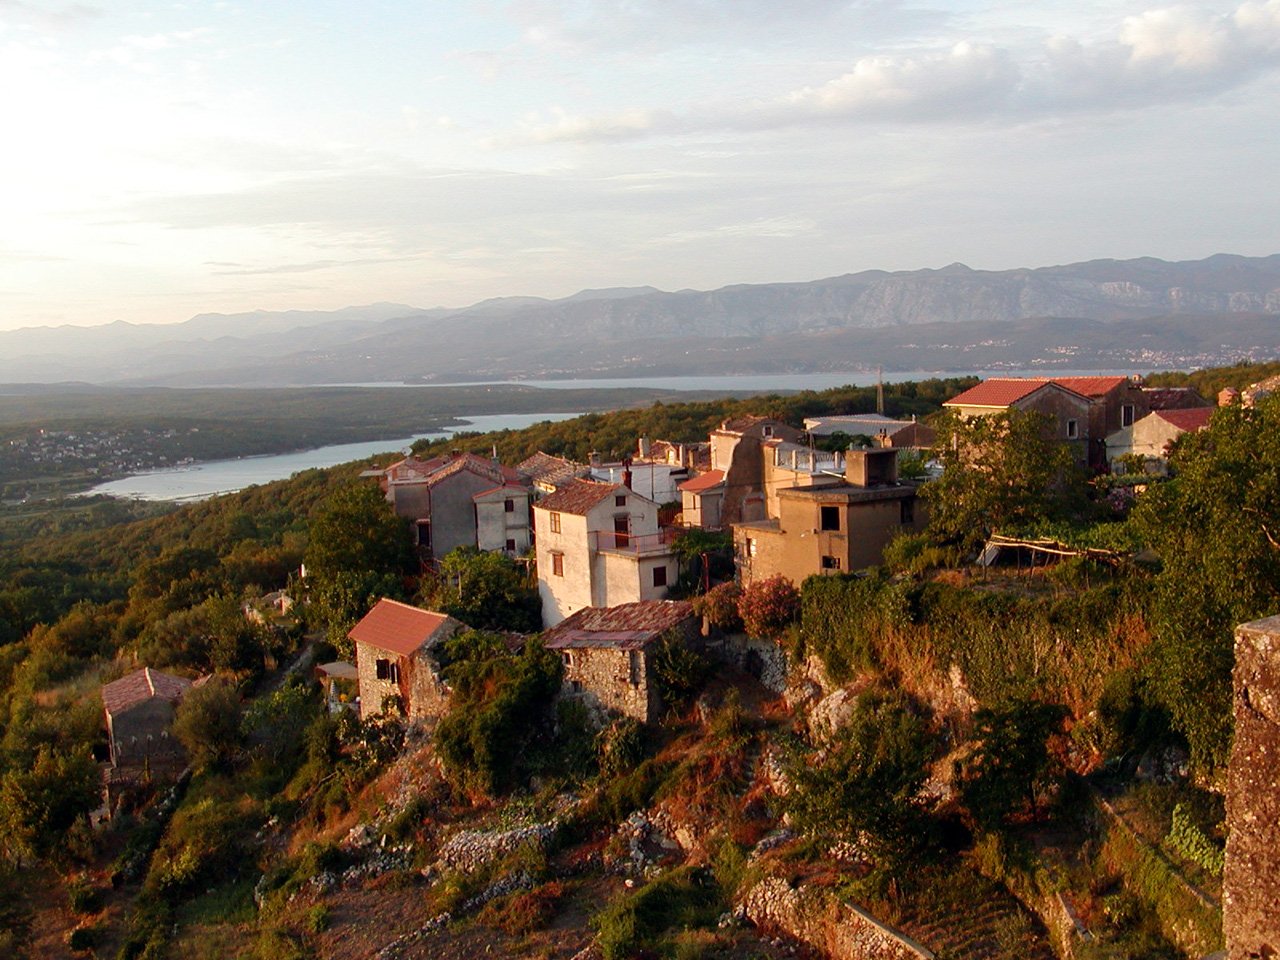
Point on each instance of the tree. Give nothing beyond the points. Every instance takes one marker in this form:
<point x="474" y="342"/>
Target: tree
<point x="866" y="787"/>
<point x="355" y="530"/>
<point x="38" y="804"/>
<point x="358" y="551"/>
<point x="488" y="591"/>
<point x="1216" y="528"/>
<point x="207" y="722"/>
<point x="999" y="472"/>
<point x="1011" y="766"/>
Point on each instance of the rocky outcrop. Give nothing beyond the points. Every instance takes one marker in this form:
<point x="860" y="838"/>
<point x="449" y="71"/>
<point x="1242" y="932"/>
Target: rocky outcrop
<point x="821" y="919"/>
<point x="1251" y="879"/>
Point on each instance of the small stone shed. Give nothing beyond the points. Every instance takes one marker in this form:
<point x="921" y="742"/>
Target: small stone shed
<point x="139" y="711"/>
<point x="607" y="653"/>
<point x="393" y="644"/>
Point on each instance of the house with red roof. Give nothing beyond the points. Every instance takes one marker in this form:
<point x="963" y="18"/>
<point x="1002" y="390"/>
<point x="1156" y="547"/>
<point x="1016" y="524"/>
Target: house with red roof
<point x="395" y="645"/>
<point x="599" y="545"/>
<point x="139" y="709"/>
<point x="608" y="653"/>
<point x="1151" y="437"/>
<point x="1082" y="410"/>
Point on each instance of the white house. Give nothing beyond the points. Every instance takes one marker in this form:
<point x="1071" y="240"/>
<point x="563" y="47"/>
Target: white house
<point x="599" y="545"/>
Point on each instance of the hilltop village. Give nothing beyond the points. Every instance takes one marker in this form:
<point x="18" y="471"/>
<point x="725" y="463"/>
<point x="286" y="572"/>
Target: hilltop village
<point x="854" y="685"/>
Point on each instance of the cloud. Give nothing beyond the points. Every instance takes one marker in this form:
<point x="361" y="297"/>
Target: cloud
<point x="1158" y="57"/>
<point x="303" y="267"/>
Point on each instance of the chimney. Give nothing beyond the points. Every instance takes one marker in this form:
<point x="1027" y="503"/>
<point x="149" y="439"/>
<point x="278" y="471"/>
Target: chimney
<point x="643" y="448"/>
<point x="593" y="459"/>
<point x="626" y="473"/>
<point x="1228" y="396"/>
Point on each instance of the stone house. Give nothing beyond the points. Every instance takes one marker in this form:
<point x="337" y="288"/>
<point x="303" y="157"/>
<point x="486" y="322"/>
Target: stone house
<point x="607" y="653"/>
<point x="1067" y="410"/>
<point x="139" y="710"/>
<point x="1084" y="410"/>
<point x="1151" y="436"/>
<point x="599" y="545"/>
<point x="737" y="449"/>
<point x="438" y="497"/>
<point x="824" y="530"/>
<point x="394" y="645"/>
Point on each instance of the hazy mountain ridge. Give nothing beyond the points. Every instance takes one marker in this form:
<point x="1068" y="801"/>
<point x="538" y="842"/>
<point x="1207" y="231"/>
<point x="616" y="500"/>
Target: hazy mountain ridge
<point x="620" y="328"/>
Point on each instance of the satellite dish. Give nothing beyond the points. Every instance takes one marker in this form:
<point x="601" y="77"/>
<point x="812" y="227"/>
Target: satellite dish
<point x="406" y="450"/>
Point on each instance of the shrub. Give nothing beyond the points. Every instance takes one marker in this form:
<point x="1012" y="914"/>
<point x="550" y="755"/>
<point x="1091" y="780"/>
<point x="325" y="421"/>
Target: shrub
<point x="719" y="606"/>
<point x="767" y="606"/>
<point x="687" y="897"/>
<point x="679" y="671"/>
<point x="207" y="722"/>
<point x="1011" y="767"/>
<point x="621" y="747"/>
<point x="319" y="917"/>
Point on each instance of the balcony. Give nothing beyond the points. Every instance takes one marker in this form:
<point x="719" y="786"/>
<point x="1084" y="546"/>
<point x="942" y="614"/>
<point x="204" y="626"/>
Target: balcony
<point x="638" y="544"/>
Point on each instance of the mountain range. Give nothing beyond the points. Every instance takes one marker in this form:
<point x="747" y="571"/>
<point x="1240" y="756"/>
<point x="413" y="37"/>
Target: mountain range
<point x="1144" y="313"/>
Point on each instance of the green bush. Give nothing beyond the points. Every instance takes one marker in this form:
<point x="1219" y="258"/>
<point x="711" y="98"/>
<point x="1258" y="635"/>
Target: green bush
<point x="685" y="898"/>
<point x="678" y="671"/>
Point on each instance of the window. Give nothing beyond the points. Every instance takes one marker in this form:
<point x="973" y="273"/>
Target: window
<point x="634" y="666"/>
<point x="767" y="430"/>
<point x="555" y="523"/>
<point x="1073" y="429"/>
<point x="830" y="563"/>
<point x="511" y="545"/>
<point x="908" y="516"/>
<point x="1126" y="415"/>
<point x="557" y="564"/>
<point x="386" y="670"/>
<point x="659" y="576"/>
<point x="830" y="518"/>
<point x="751" y="547"/>
<point x="620" y="501"/>
<point x="509" y="505"/>
<point x="567" y="657"/>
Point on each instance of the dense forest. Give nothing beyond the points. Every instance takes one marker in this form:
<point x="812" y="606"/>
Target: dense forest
<point x="1081" y="675"/>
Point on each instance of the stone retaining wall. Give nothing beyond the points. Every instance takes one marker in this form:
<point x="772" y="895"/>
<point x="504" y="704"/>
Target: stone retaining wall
<point x="821" y="919"/>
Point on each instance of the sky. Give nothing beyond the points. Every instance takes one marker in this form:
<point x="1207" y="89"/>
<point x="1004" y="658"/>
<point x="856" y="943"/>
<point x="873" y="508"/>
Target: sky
<point x="159" y="160"/>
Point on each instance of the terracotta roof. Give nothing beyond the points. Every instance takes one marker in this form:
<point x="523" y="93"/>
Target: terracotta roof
<point x="1091" y="386"/>
<point x="629" y="626"/>
<point x="470" y="463"/>
<point x="397" y="627"/>
<point x="1003" y="392"/>
<point x="1173" y="398"/>
<point x="140" y="686"/>
<point x="712" y="478"/>
<point x="579" y="496"/>
<point x="1189" y="418"/>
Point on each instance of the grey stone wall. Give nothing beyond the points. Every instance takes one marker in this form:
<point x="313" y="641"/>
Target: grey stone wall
<point x="821" y="919"/>
<point x="608" y="679"/>
<point x="1251" y="880"/>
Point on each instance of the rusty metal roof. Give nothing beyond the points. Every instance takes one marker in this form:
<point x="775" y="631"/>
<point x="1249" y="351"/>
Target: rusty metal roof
<point x="628" y="626"/>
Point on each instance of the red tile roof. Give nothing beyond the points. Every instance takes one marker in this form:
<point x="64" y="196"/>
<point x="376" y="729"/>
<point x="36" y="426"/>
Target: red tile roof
<point x="140" y="686"/>
<point x="628" y="626"/>
<point x="712" y="478"/>
<point x="1189" y="419"/>
<point x="1091" y="386"/>
<point x="1005" y="391"/>
<point x="397" y="627"/>
<point x="470" y="463"/>
<point x="578" y="496"/>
